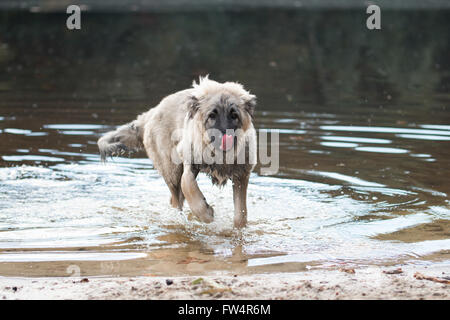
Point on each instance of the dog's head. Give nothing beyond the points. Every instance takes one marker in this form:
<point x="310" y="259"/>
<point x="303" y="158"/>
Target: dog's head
<point x="224" y="111"/>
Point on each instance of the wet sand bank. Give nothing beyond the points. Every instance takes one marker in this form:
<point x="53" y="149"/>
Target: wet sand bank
<point x="399" y="282"/>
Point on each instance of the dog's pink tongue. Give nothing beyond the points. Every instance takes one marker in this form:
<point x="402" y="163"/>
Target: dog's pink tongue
<point x="227" y="142"/>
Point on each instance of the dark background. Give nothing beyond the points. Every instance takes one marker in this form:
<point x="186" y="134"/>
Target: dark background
<point x="292" y="59"/>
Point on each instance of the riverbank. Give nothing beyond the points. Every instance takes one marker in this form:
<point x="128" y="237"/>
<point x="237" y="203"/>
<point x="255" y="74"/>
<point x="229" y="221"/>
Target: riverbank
<point x="399" y="282"/>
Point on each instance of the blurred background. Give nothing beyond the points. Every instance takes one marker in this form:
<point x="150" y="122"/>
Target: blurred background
<point x="363" y="115"/>
<point x="309" y="52"/>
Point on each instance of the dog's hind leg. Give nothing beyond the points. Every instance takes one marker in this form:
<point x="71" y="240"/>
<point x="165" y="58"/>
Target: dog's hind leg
<point x="168" y="169"/>
<point x="178" y="201"/>
<point x="194" y="196"/>
<point x="172" y="178"/>
<point x="177" y="197"/>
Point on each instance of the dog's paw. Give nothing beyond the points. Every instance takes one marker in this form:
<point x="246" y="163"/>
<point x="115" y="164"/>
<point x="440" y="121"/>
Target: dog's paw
<point x="209" y="215"/>
<point x="206" y="215"/>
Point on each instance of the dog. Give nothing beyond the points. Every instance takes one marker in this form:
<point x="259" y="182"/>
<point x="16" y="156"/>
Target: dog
<point x="207" y="128"/>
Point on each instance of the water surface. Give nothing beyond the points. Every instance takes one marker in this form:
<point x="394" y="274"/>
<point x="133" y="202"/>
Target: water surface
<point x="364" y="142"/>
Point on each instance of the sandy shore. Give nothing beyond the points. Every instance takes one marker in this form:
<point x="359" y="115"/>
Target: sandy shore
<point x="362" y="283"/>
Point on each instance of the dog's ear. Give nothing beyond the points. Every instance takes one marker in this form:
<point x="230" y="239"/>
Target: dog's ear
<point x="250" y="104"/>
<point x="193" y="105"/>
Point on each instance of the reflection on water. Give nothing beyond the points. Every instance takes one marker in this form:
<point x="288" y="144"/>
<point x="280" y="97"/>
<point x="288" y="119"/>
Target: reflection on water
<point x="364" y="159"/>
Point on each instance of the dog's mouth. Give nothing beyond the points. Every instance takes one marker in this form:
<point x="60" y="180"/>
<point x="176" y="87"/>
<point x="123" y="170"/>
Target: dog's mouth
<point x="227" y="142"/>
<point x="224" y="143"/>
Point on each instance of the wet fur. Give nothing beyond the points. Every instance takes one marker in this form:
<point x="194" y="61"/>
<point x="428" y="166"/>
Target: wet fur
<point x="178" y="124"/>
<point x="126" y="139"/>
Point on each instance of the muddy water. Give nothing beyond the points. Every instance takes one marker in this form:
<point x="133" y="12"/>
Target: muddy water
<point x="364" y="143"/>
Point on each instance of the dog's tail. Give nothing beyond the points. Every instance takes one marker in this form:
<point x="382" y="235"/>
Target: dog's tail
<point x="125" y="139"/>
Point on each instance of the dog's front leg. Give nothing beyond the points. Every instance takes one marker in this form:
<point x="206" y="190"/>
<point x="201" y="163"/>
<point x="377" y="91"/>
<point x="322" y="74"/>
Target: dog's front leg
<point x="194" y="196"/>
<point x="240" y="185"/>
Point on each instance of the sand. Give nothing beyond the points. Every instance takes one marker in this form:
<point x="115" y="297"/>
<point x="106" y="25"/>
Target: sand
<point x="361" y="283"/>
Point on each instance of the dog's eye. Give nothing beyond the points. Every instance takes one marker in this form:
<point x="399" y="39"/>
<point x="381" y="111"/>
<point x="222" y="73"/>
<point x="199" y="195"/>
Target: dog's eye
<point x="234" y="115"/>
<point x="213" y="114"/>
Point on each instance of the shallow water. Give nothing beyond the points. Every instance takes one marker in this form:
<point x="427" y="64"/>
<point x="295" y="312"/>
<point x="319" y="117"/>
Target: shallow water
<point x="362" y="180"/>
